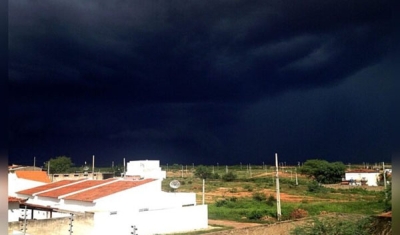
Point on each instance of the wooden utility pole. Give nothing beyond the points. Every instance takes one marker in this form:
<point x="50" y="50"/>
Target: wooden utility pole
<point x="278" y="196"/>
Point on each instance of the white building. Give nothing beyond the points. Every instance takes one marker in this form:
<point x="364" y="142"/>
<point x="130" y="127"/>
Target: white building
<point x="20" y="180"/>
<point x="357" y="176"/>
<point x="144" y="169"/>
<point x="124" y="202"/>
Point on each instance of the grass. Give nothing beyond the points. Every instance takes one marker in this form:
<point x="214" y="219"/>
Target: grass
<point x="349" y="201"/>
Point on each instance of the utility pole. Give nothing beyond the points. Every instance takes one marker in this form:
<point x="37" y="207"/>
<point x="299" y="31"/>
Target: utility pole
<point x="34" y="163"/>
<point x="93" y="167"/>
<point x="203" y="190"/>
<point x="297" y="182"/>
<point x="278" y="196"/>
<point x="124" y="167"/>
<point x="250" y="170"/>
<point x="384" y="178"/>
<point x="48" y="168"/>
<point x="226" y="169"/>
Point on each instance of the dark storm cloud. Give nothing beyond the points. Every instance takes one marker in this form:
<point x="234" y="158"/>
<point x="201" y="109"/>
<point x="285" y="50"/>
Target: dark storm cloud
<point x="158" y="51"/>
<point x="191" y="79"/>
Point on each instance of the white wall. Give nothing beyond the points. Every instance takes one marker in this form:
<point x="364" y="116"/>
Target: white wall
<point x="141" y="195"/>
<point x="16" y="184"/>
<point x="13" y="211"/>
<point x="173" y="220"/>
<point x="146" y="169"/>
<point x="370" y="177"/>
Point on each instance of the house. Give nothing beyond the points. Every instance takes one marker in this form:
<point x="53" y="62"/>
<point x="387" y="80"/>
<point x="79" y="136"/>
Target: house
<point x="13" y="208"/>
<point x="20" y="180"/>
<point x="123" y="203"/>
<point x="362" y="177"/>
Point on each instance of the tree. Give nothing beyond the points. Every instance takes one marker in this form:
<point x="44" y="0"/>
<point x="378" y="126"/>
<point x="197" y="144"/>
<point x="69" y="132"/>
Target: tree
<point x="203" y="172"/>
<point x="60" y="164"/>
<point x="323" y="171"/>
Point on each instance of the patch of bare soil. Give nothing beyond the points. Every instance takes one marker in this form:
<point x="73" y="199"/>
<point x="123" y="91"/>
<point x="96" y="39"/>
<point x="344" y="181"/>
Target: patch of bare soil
<point x="233" y="224"/>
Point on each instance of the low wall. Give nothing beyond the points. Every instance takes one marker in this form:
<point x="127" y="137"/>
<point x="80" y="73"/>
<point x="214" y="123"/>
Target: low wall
<point x="82" y="225"/>
<point x="179" y="219"/>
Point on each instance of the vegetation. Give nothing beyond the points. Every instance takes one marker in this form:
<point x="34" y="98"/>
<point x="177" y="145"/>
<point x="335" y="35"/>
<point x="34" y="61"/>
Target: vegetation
<point x="230" y="176"/>
<point x="203" y="172"/>
<point x="335" y="226"/>
<point x="60" y="164"/>
<point x="323" y="171"/>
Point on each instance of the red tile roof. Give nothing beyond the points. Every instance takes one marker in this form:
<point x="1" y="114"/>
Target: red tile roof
<point x="41" y="188"/>
<point x="15" y="199"/>
<point x="72" y="188"/>
<point x="40" y="176"/>
<point x="106" y="190"/>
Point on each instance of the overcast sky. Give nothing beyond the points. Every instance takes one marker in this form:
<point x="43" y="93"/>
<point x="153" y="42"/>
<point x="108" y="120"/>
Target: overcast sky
<point x="202" y="81"/>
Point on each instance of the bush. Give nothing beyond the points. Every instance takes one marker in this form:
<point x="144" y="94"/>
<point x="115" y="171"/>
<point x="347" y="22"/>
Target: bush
<point x="271" y="199"/>
<point x="255" y="215"/>
<point x="228" y="177"/>
<point x="259" y="196"/>
<point x="333" y="226"/>
<point x="315" y="187"/>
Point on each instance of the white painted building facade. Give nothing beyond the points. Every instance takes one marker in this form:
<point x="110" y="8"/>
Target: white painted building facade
<point x="371" y="178"/>
<point x="125" y="202"/>
<point x="145" y="169"/>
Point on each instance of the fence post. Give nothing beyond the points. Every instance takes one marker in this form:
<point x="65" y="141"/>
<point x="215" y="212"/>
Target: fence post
<point x="71" y="219"/>
<point x="133" y="230"/>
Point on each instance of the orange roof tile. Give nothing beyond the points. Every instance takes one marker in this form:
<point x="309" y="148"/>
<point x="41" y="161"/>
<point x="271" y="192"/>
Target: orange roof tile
<point x="15" y="199"/>
<point x="41" y="188"/>
<point x="72" y="188"/>
<point x="106" y="190"/>
<point x="40" y="176"/>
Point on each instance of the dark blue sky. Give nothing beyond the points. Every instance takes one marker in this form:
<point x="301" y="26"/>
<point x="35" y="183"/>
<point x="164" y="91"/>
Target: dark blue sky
<point x="203" y="81"/>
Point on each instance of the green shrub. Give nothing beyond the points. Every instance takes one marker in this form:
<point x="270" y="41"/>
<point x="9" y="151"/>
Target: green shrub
<point x="230" y="176"/>
<point x="333" y="226"/>
<point x="271" y="199"/>
<point x="255" y="214"/>
<point x="259" y="196"/>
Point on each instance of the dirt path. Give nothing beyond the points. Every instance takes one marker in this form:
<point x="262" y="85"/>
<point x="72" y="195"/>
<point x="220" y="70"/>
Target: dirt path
<point x="233" y="224"/>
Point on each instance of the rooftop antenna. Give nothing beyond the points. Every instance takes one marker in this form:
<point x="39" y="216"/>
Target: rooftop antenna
<point x="174" y="184"/>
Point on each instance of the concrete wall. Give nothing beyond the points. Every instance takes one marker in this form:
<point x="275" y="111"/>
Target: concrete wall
<point x="173" y="220"/>
<point x="82" y="225"/>
<point x="77" y="176"/>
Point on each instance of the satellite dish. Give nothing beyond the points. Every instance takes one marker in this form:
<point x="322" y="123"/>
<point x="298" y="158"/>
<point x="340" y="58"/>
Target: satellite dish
<point x="174" y="184"/>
